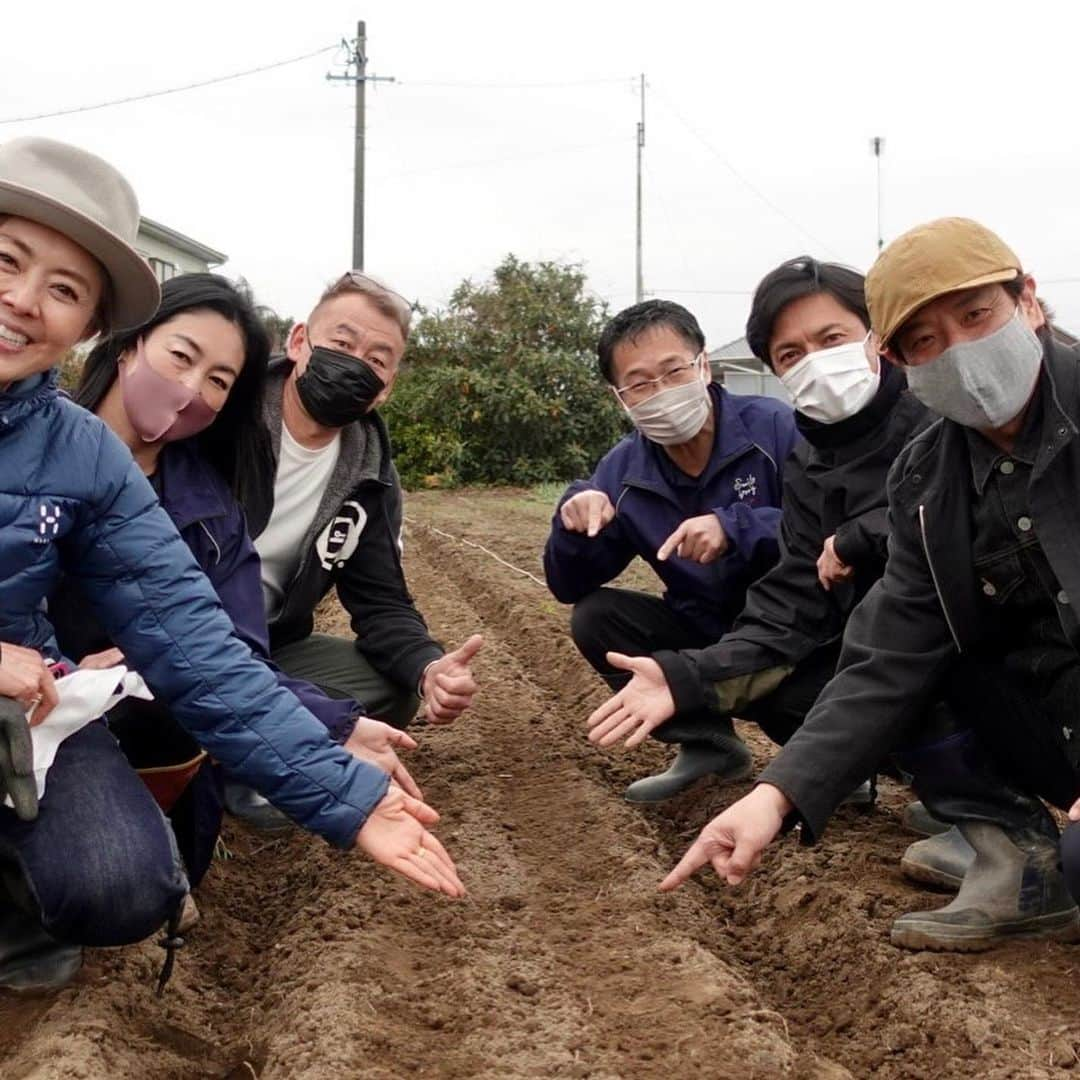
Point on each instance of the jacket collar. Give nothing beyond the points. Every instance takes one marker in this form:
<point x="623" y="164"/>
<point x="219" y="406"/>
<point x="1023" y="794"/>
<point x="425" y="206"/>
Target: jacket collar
<point x="25" y="397"/>
<point x="190" y="488"/>
<point x="826" y="436"/>
<point x="732" y="440"/>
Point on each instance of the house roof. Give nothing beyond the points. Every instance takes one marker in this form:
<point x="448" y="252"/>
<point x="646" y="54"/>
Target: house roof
<point x="156" y="231"/>
<point x="736" y="352"/>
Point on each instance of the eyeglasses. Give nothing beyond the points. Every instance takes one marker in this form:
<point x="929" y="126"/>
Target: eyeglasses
<point x="637" y="392"/>
<point x="366" y="283"/>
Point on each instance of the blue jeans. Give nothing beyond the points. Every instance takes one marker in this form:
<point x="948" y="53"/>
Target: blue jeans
<point x="99" y="865"/>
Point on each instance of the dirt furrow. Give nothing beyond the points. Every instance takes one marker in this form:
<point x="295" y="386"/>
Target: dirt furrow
<point x="810" y="930"/>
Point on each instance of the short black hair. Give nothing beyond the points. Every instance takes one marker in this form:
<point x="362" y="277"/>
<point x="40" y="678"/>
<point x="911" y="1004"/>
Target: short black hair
<point x="634" y="321"/>
<point x="792" y="280"/>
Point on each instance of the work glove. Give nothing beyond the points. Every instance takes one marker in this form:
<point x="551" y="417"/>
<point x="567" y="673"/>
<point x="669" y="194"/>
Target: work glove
<point x="17" y="760"/>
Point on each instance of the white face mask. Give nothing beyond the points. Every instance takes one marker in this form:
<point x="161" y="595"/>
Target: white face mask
<point x="984" y="383"/>
<point x="832" y="384"/>
<point x="673" y="416"/>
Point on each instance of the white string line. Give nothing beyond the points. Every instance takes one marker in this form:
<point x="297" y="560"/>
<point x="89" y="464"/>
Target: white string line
<point x="479" y="547"/>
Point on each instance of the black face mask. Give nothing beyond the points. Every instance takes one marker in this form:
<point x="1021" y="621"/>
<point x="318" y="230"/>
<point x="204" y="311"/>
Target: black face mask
<point x="337" y="388"/>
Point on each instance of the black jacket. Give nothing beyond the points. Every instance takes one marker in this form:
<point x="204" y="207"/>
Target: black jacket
<point x="903" y="638"/>
<point x="834" y="484"/>
<point x="354" y="544"/>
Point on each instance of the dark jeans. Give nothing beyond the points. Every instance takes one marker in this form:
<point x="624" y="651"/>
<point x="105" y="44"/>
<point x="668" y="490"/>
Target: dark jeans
<point x="98" y="866"/>
<point x="150" y="737"/>
<point x="997" y="745"/>
<point x="336" y="666"/>
<point x="620" y="620"/>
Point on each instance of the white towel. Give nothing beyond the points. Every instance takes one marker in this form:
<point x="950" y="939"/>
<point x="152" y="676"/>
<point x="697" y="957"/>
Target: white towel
<point x="84" y="696"/>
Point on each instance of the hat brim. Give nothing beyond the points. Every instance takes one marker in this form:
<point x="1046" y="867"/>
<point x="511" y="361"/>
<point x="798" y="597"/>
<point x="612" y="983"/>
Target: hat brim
<point x="136" y="293"/>
<point x="985" y="279"/>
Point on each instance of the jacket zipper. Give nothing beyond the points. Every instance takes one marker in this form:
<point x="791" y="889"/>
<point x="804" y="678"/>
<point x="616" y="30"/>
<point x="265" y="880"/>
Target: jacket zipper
<point x="934" y="577"/>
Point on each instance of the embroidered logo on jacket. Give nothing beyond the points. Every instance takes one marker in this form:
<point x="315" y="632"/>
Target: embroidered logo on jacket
<point x="745" y="486"/>
<point x="48" y="523"/>
<point x="339" y="539"/>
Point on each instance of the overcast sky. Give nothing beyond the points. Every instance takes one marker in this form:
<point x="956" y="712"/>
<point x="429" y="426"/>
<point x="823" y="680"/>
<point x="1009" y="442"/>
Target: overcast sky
<point x="512" y="129"/>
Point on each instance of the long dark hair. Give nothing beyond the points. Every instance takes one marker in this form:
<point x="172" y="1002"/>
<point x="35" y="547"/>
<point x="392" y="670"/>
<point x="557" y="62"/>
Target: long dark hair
<point x="237" y="440"/>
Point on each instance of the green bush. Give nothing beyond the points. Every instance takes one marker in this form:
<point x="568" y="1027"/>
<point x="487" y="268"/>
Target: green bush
<point x="502" y="388"/>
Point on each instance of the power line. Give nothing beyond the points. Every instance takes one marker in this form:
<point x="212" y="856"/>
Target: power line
<point x="517" y="86"/>
<point x="172" y="90"/>
<point x="779" y="211"/>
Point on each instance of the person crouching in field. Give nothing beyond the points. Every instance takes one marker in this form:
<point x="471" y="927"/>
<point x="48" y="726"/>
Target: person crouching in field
<point x="183" y="391"/>
<point x="325" y="510"/>
<point x="809" y="324"/>
<point x="94" y="862"/>
<point x="978" y="603"/>
<point x="695" y="492"/>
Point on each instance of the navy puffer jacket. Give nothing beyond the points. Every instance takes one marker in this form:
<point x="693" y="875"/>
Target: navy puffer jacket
<point x="73" y="501"/>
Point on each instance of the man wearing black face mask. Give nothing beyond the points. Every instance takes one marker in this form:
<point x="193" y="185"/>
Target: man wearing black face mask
<point x="327" y="514"/>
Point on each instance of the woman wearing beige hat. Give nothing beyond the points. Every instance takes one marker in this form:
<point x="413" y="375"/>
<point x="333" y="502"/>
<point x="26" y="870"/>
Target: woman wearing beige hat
<point x="94" y="863"/>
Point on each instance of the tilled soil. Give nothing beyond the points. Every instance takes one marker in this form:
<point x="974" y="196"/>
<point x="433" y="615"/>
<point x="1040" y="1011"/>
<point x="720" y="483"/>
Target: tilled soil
<point x="564" y="960"/>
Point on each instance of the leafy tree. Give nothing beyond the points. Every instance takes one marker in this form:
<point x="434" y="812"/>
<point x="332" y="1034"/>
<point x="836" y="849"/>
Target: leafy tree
<point x="502" y="386"/>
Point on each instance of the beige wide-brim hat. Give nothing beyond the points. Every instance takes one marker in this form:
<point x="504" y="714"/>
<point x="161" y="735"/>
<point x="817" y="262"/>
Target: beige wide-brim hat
<point x="85" y="198"/>
<point x="929" y="261"/>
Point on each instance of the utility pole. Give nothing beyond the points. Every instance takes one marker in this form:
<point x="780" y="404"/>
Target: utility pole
<point x="358" y="60"/>
<point x="640" y="281"/>
<point x="877" y="145"/>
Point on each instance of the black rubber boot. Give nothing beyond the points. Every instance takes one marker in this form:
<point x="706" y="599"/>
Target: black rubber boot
<point x="31" y="960"/>
<point x="940" y="860"/>
<point x="250" y="807"/>
<point x="692" y="762"/>
<point x="1014" y="888"/>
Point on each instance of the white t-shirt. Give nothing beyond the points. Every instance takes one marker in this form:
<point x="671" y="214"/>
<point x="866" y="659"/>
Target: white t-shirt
<point x="302" y="476"/>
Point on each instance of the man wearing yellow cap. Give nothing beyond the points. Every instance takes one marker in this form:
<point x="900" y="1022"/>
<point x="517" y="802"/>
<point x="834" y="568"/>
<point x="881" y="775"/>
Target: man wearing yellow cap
<point x="977" y="603"/>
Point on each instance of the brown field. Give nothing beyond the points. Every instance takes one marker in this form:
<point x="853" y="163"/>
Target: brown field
<point x="564" y="961"/>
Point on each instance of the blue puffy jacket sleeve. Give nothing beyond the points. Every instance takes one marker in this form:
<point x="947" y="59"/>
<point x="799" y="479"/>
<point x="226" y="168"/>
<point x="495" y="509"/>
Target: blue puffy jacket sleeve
<point x="237" y="579"/>
<point x="159" y="608"/>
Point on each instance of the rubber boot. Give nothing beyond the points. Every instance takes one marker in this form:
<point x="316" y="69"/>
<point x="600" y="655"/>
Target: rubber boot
<point x="31" y="960"/>
<point x="250" y="807"/>
<point x="692" y="762"/>
<point x="917" y="819"/>
<point x="1014" y="888"/>
<point x="864" y="796"/>
<point x="940" y="860"/>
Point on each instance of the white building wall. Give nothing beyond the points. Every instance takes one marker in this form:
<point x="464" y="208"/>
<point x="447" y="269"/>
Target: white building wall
<point x="166" y="260"/>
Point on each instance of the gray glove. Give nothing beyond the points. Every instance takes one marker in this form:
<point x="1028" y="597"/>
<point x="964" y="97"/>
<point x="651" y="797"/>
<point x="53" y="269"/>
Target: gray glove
<point x="17" y="760"/>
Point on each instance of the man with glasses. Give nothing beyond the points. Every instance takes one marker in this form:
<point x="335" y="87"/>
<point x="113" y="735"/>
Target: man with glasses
<point x="809" y="324"/>
<point x="694" y="491"/>
<point x="325" y="509"/>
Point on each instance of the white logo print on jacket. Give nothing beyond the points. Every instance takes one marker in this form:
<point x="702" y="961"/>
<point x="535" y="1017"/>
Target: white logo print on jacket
<point x="339" y="539"/>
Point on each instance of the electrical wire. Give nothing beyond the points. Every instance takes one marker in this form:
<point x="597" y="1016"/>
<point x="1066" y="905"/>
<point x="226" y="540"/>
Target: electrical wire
<point x="752" y="187"/>
<point x="517" y="86"/>
<point x="172" y="90"/>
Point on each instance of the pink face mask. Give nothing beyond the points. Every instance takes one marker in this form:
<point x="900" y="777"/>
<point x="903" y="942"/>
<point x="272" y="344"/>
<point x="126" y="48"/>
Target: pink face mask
<point x="158" y="408"/>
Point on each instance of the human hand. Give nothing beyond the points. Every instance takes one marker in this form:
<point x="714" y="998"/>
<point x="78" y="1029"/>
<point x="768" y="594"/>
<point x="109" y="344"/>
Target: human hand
<point x="26" y="678"/>
<point x="97" y="661"/>
<point x="734" y="840"/>
<point x="700" y="539"/>
<point x="831" y="569"/>
<point x="643" y="704"/>
<point x="374" y="741"/>
<point x="448" y="686"/>
<point x="1074" y="811"/>
<point x="587" y="512"/>
<point x="396" y="836"/>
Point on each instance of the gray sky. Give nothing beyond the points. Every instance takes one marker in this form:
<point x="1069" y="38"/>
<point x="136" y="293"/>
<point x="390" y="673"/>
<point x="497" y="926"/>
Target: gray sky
<point x="758" y="125"/>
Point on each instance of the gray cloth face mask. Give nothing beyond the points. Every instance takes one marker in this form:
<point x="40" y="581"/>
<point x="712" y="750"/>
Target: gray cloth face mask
<point x="984" y="383"/>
